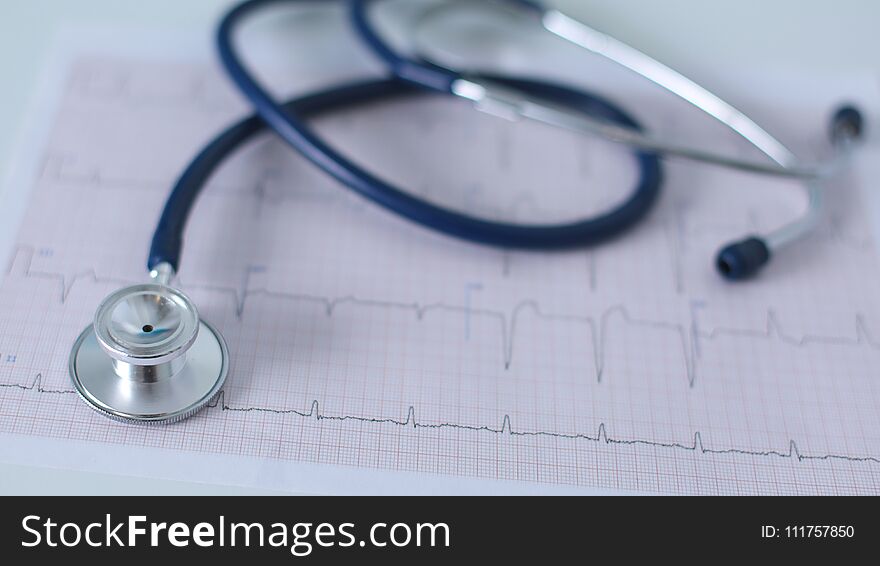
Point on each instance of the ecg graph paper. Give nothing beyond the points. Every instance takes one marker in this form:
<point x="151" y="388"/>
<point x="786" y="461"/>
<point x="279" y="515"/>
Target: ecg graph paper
<point x="361" y="340"/>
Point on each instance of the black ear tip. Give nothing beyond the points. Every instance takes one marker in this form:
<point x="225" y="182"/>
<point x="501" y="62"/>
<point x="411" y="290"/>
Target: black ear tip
<point x="847" y="123"/>
<point x="741" y="260"/>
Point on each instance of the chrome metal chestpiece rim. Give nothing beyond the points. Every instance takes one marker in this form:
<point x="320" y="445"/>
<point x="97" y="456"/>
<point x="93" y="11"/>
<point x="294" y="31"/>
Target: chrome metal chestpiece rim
<point x="148" y="358"/>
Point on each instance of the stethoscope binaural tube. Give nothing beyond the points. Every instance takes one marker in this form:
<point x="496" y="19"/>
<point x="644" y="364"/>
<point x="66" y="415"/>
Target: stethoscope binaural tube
<point x="738" y="260"/>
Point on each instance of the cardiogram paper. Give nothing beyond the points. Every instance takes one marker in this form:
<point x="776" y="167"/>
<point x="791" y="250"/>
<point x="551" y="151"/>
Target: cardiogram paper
<point x="362" y="341"/>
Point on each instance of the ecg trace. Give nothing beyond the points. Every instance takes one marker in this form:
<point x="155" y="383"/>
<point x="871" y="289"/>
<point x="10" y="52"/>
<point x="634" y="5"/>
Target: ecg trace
<point x="410" y="421"/>
<point x="676" y="227"/>
<point x="689" y="335"/>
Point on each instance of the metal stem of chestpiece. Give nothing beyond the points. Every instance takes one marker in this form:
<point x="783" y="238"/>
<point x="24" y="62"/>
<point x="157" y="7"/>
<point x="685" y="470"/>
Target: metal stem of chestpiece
<point x="148" y="373"/>
<point x="162" y="274"/>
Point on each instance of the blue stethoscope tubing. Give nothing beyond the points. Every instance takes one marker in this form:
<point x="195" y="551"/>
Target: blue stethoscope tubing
<point x="289" y="122"/>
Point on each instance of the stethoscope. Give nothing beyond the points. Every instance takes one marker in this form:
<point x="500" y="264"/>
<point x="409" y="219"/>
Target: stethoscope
<point x="148" y="357"/>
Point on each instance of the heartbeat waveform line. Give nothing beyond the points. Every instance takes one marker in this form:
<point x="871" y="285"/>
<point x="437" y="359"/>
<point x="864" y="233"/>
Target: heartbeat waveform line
<point x="196" y="90"/>
<point x="65" y="282"/>
<point x="53" y="170"/>
<point x="472" y="197"/>
<point x="689" y="334"/>
<point x="673" y="226"/>
<point x="410" y="421"/>
<point x="36" y="385"/>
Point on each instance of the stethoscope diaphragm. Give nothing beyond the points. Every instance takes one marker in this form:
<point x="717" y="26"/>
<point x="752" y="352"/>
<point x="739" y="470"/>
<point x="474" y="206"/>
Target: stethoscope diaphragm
<point x="147" y="357"/>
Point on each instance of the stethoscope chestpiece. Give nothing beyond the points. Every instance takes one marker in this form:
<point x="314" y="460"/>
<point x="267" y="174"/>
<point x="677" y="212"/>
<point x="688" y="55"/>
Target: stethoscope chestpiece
<point x="148" y="358"/>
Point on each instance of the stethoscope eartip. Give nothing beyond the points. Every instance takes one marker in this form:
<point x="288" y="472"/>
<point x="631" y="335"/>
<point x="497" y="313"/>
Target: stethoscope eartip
<point x="742" y="260"/>
<point x="847" y="124"/>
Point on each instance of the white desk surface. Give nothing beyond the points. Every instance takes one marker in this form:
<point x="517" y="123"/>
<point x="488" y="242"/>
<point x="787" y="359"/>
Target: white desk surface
<point x="787" y="34"/>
